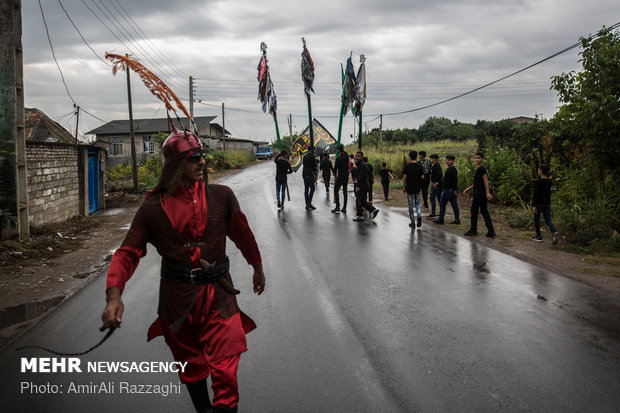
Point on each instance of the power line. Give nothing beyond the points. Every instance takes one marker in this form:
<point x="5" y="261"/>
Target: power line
<point x="80" y="33"/>
<point x="54" y="54"/>
<point x="146" y="37"/>
<point x="505" y="77"/>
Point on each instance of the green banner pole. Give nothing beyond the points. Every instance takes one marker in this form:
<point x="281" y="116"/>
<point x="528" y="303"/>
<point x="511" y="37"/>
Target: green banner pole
<point x="359" y="140"/>
<point x="341" y="108"/>
<point x="311" y="127"/>
<point x="275" y="119"/>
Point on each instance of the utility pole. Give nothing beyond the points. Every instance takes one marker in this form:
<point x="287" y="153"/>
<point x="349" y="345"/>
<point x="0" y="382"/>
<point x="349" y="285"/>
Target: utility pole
<point x="191" y="97"/>
<point x="290" y="125"/>
<point x="134" y="163"/>
<point x="381" y="131"/>
<point x="77" y="122"/>
<point x="223" y="128"/>
<point x="12" y="133"/>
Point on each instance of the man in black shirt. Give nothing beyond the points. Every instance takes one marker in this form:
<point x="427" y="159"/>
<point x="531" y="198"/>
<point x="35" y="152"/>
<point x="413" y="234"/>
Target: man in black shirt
<point x="283" y="168"/>
<point x="450" y="188"/>
<point x="426" y="168"/>
<point x="341" y="179"/>
<point x="310" y="174"/>
<point x="371" y="178"/>
<point x="436" y="180"/>
<point x="360" y="179"/>
<point x="386" y="176"/>
<point x="482" y="194"/>
<point x="413" y="175"/>
<point x="326" y="168"/>
<point x="541" y="203"/>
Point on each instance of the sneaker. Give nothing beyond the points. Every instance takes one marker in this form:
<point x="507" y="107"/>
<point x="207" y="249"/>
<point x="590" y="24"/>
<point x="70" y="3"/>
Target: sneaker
<point x="412" y="225"/>
<point x="282" y="206"/>
<point x="438" y="221"/>
<point x="343" y="210"/>
<point x="456" y="222"/>
<point x="431" y="216"/>
<point x="490" y="235"/>
<point x="419" y="222"/>
<point x="556" y="238"/>
<point x="471" y="233"/>
<point x="279" y="203"/>
<point x="336" y="211"/>
<point x="358" y="219"/>
<point x="537" y="239"/>
<point x="308" y="208"/>
<point x="374" y="213"/>
<point x="312" y="207"/>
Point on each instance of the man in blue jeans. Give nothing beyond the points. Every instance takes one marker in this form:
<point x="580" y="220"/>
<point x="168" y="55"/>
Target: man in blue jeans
<point x="541" y="203"/>
<point x="310" y="173"/>
<point x="450" y="189"/>
<point x="413" y="176"/>
<point x="436" y="183"/>
<point x="283" y="168"/>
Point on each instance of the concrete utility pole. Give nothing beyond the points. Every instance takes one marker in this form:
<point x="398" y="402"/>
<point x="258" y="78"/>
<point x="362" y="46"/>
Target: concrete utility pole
<point x="290" y="125"/>
<point x="13" y="178"/>
<point x="134" y="162"/>
<point x="77" y="122"/>
<point x="381" y="131"/>
<point x="223" y="128"/>
<point x="191" y="97"/>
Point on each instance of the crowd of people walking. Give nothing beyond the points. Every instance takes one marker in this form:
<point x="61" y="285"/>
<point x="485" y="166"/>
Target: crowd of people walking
<point x="419" y="174"/>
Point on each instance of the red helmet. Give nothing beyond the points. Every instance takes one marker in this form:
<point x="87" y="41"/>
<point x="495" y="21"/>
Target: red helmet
<point x="179" y="142"/>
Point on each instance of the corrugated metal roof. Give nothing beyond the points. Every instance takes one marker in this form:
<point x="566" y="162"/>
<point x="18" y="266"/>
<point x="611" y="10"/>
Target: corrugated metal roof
<point x="40" y="128"/>
<point x="147" y="125"/>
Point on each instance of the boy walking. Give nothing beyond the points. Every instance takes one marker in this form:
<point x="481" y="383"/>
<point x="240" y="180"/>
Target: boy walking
<point x="283" y="168"/>
<point x="413" y="175"/>
<point x="386" y="176"/>
<point x="449" y="191"/>
<point x="426" y="168"/>
<point x="482" y="194"/>
<point x="436" y="183"/>
<point x="541" y="203"/>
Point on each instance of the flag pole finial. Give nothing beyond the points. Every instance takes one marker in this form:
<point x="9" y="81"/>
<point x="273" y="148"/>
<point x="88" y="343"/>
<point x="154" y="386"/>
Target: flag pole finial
<point x="362" y="58"/>
<point x="263" y="48"/>
<point x="303" y="41"/>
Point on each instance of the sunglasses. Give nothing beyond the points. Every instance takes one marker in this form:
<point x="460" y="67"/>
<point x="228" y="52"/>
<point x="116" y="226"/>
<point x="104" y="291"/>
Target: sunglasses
<point x="196" y="157"/>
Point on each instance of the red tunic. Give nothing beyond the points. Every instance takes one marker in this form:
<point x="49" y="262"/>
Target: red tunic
<point x="201" y="324"/>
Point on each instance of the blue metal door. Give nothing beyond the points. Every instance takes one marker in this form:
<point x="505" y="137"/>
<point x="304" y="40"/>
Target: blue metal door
<point x="93" y="181"/>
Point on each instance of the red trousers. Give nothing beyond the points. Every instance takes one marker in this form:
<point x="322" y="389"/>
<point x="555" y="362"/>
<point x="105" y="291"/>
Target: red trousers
<point x="211" y="345"/>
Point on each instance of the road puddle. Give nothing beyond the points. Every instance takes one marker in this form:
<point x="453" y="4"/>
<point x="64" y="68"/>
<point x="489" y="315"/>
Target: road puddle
<point x="24" y="312"/>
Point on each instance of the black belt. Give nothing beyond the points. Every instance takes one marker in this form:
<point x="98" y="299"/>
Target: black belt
<point x="209" y="273"/>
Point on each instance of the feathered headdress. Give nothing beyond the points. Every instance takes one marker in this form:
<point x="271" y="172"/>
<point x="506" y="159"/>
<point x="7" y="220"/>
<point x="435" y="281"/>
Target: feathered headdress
<point x="152" y="82"/>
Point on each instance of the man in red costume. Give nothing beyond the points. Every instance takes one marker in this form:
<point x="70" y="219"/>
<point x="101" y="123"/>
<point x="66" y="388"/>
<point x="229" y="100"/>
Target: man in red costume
<point x="188" y="222"/>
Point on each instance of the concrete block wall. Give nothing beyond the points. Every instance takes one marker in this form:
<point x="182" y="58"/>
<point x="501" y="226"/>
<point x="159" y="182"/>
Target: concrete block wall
<point x="53" y="182"/>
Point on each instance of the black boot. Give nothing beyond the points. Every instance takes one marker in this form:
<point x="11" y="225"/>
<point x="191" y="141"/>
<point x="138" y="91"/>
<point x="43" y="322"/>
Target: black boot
<point x="200" y="396"/>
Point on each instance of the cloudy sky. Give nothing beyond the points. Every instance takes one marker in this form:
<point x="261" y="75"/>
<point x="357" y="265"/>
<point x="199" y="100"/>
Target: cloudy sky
<point x="417" y="53"/>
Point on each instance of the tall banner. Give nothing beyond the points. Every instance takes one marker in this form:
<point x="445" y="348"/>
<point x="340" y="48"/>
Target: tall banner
<point x="324" y="142"/>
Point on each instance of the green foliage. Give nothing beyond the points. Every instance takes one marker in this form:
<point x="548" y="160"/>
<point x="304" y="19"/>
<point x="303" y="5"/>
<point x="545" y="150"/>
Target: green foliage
<point x="229" y="159"/>
<point x="586" y="207"/>
<point x="116" y="172"/>
<point x="591" y="101"/>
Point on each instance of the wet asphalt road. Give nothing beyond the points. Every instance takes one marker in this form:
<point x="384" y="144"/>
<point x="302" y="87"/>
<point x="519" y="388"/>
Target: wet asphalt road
<point x="370" y="317"/>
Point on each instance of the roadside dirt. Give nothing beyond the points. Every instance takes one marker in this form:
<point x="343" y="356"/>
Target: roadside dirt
<point x="60" y="259"/>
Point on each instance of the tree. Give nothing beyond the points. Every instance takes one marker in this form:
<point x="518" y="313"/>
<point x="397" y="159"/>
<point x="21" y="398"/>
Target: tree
<point x="590" y="111"/>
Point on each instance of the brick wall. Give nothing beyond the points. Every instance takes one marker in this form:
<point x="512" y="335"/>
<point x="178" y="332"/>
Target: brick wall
<point x="53" y="182"/>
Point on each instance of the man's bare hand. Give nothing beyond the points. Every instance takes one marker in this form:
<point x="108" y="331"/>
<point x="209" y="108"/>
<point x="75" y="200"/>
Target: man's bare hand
<point x="259" y="279"/>
<point x="113" y="313"/>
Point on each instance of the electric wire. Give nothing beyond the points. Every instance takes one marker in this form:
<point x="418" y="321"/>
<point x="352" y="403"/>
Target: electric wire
<point x="54" y="54"/>
<point x="154" y="46"/>
<point x="80" y="33"/>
